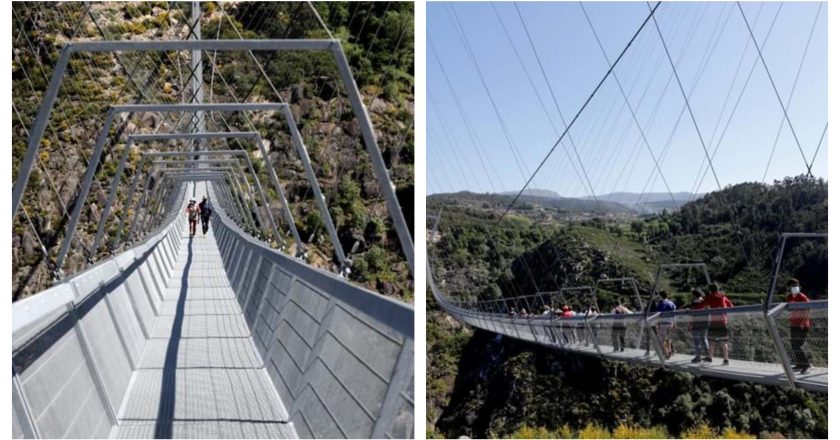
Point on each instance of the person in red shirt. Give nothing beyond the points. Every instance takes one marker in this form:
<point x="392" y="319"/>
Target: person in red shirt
<point x="718" y="330"/>
<point x="800" y="326"/>
<point x="568" y="330"/>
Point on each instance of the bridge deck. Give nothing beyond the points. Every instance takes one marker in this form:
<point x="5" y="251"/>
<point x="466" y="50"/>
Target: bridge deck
<point x="746" y="371"/>
<point x="549" y="333"/>
<point x="200" y="374"/>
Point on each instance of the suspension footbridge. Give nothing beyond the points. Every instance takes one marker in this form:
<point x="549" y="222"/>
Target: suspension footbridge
<point x="768" y="341"/>
<point x="225" y="334"/>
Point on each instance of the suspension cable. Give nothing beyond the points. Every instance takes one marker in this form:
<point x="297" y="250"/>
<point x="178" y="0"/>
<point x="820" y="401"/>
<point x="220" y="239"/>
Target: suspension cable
<point x="813" y="159"/>
<point x="583" y="107"/>
<point x="629" y="107"/>
<point x="775" y="90"/>
<point x="792" y="90"/>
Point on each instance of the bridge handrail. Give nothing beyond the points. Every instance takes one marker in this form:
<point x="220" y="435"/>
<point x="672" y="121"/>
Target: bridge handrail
<point x="401" y="315"/>
<point x="531" y="328"/>
<point x="37" y="312"/>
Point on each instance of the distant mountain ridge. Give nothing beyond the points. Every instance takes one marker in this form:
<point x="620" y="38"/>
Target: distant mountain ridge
<point x="543" y="198"/>
<point x="640" y="202"/>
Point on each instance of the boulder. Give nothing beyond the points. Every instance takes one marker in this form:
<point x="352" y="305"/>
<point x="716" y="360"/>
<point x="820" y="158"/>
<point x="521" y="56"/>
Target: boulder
<point x="378" y="106"/>
<point x="297" y="93"/>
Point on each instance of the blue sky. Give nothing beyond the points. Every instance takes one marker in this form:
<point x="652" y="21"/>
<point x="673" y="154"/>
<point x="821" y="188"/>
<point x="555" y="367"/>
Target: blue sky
<point x="706" y="41"/>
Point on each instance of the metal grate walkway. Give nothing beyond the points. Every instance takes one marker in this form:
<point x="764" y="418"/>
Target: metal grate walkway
<point x="200" y="374"/>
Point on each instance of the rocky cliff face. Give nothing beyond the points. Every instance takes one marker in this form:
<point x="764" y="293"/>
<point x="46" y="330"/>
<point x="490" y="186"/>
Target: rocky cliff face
<point x="325" y="119"/>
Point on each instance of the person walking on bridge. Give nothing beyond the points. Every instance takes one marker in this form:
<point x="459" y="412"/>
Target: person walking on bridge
<point x="699" y="329"/>
<point x="619" y="327"/>
<point x="665" y="324"/>
<point x="567" y="330"/>
<point x="718" y="323"/>
<point x="204" y="208"/>
<point x="800" y="326"/>
<point x="193" y="212"/>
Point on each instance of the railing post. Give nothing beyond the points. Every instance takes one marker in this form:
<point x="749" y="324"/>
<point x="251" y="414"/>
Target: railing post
<point x="98" y="382"/>
<point x="287" y="213"/>
<point x="83" y="192"/>
<point x="769" y="317"/>
<point x="320" y="200"/>
<point x="379" y="167"/>
<point x="21" y="405"/>
<point x="653" y="338"/>
<point x="115" y="182"/>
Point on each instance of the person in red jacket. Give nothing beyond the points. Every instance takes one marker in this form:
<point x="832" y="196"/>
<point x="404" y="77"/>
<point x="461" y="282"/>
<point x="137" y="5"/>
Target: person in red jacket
<point x="718" y="330"/>
<point x="800" y="326"/>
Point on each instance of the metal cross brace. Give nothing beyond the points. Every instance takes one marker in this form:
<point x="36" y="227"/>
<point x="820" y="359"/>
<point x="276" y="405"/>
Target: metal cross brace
<point x="333" y="46"/>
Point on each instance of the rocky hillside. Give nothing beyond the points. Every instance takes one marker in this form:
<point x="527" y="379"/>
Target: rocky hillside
<point x="378" y="41"/>
<point x="482" y="385"/>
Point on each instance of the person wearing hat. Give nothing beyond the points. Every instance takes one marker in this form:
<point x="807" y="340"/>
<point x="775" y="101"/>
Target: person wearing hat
<point x="193" y="212"/>
<point x="800" y="326"/>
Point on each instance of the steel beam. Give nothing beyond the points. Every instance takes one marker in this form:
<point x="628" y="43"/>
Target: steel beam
<point x="333" y="46"/>
<point x="77" y="208"/>
<point x="320" y="201"/>
<point x="379" y="167"/>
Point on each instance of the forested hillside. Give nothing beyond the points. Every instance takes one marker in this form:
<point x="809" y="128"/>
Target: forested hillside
<point x="483" y="385"/>
<point x="378" y="41"/>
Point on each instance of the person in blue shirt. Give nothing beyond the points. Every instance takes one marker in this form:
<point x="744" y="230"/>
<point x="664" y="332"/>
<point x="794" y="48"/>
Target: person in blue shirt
<point x="665" y="324"/>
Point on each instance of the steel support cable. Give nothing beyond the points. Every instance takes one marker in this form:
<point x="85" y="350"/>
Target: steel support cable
<point x="704" y="167"/>
<point x="452" y="154"/>
<point x="517" y="155"/>
<point x="391" y="60"/>
<point x="775" y="90"/>
<point x="378" y="29"/>
<point x="557" y="106"/>
<point x="43" y="73"/>
<point x="604" y="137"/>
<point x="452" y="144"/>
<point x="364" y="23"/>
<point x="534" y="88"/>
<point x="819" y="144"/>
<point x="318" y="16"/>
<point x="143" y="91"/>
<point x="443" y="164"/>
<point x="41" y="246"/>
<point x="582" y="108"/>
<point x="632" y="158"/>
<point x="50" y="183"/>
<point x="450" y="151"/>
<point x="613" y="154"/>
<point x="182" y="85"/>
<point x="684" y="96"/>
<point x="792" y="91"/>
<point x="233" y="96"/>
<point x="253" y="57"/>
<point x="42" y="69"/>
<point x="664" y="151"/>
<point x="471" y="133"/>
<point x="710" y="49"/>
<point x="697" y="178"/>
<point x="696" y="126"/>
<point x="630" y="107"/>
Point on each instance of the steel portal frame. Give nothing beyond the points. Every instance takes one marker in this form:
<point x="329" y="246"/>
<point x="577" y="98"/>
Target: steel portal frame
<point x="242" y="153"/>
<point x="330" y="45"/>
<point x="180" y="108"/>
